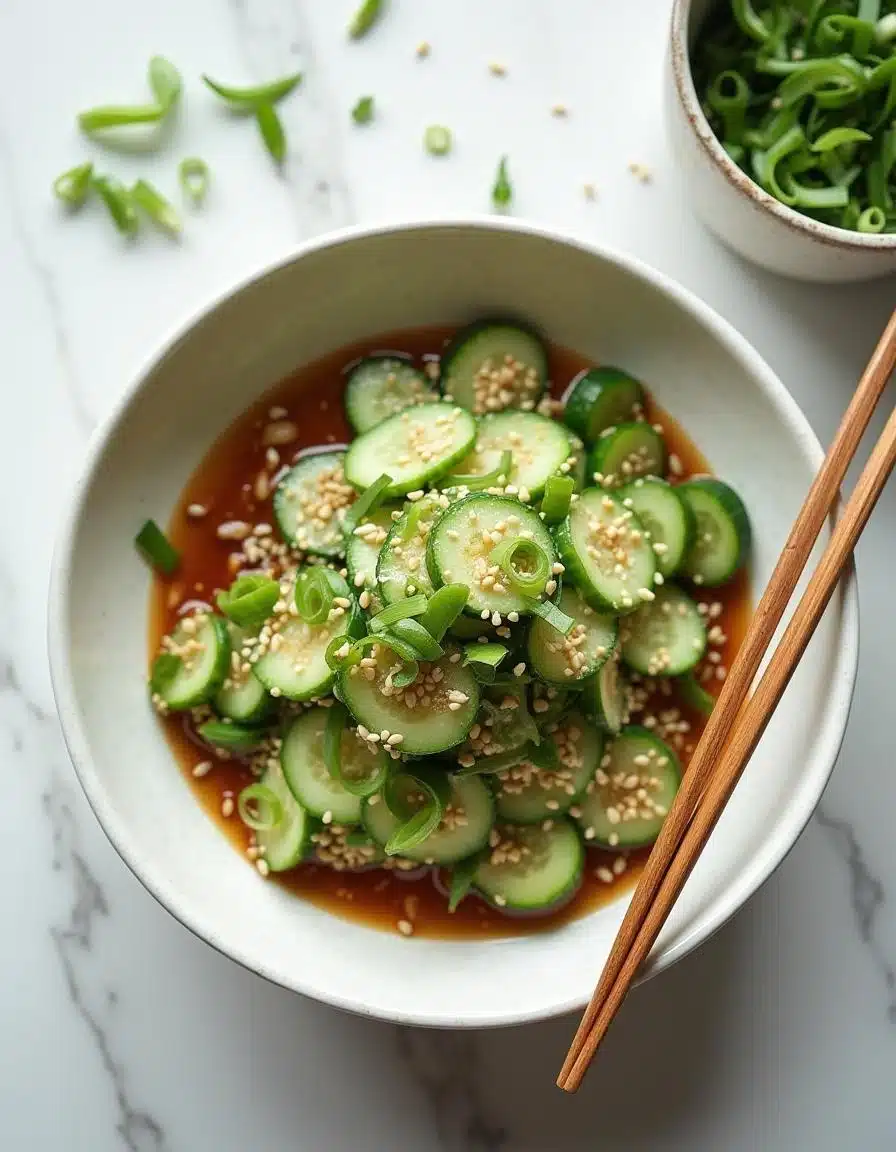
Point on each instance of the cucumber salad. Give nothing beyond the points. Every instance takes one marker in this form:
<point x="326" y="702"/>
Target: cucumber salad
<point x="468" y="640"/>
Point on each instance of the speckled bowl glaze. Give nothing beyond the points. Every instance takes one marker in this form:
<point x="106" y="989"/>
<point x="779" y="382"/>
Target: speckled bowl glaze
<point x="734" y="207"/>
<point x="345" y="287"/>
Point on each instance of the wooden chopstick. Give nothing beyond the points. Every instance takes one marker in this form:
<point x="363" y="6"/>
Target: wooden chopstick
<point x="747" y="733"/>
<point x="820" y="500"/>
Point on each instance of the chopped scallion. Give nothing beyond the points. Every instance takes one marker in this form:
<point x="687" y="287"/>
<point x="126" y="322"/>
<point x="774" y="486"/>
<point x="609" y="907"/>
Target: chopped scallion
<point x="316" y="589"/>
<point x="487" y="480"/>
<point x="367" y="503"/>
<point x="73" y="186"/>
<point x="437" y="140"/>
<point x="443" y="608"/>
<point x="362" y="113"/>
<point x="551" y="614"/>
<point x="502" y="191"/>
<point x="484" y="660"/>
<point x="194" y="176"/>
<point x="413" y="633"/>
<point x="364" y="19"/>
<point x="248" y="99"/>
<point x="156" y="207"/>
<point x="226" y="735"/>
<point x="157" y="549"/>
<point x="119" y="203"/>
<point x="461" y="880"/>
<point x="557" y="497"/>
<point x="270" y="128"/>
<point x="401" y="610"/>
<point x="524" y="563"/>
<point x="250" y="600"/>
<point x="259" y="807"/>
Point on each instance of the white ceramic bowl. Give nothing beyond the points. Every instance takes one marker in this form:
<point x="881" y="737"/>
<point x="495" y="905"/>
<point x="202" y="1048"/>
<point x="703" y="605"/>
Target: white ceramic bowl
<point x="733" y="206"/>
<point x="342" y="288"/>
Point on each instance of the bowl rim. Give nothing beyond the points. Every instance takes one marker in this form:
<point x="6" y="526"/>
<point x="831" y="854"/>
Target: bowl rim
<point x="151" y="873"/>
<point x="826" y="234"/>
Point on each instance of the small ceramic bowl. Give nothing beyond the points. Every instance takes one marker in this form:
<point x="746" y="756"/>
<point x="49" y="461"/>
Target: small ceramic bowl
<point x="342" y="288"/>
<point x="734" y="207"/>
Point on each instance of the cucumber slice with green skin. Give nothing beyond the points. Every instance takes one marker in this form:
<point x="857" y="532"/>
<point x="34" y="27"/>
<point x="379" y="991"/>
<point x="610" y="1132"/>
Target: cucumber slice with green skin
<point x="666" y="516"/>
<point x="427" y="722"/>
<point x="564" y="660"/>
<point x="310" y="503"/>
<point x="203" y="646"/>
<point x="242" y="697"/>
<point x="598" y="528"/>
<point x="362" y="548"/>
<point x="532" y="868"/>
<point x="666" y="637"/>
<point x="722" y="539"/>
<point x="288" y="843"/>
<point x="235" y="737"/>
<point x="457" y="551"/>
<point x="527" y="794"/>
<point x="302" y="758"/>
<point x="512" y="351"/>
<point x="401" y="564"/>
<point x="607" y="696"/>
<point x="416" y="447"/>
<point x="632" y="791"/>
<point x="463" y="830"/>
<point x="540" y="448"/>
<point x="379" y="386"/>
<point x="601" y="398"/>
<point x="695" y="696"/>
<point x="626" y="452"/>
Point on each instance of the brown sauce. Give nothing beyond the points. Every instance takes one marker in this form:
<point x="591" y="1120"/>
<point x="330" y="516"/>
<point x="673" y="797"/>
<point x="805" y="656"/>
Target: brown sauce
<point x="224" y="483"/>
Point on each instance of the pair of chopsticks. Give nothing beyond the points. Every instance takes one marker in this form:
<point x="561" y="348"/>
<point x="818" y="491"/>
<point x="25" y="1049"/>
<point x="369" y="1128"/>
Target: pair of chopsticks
<point x="734" y="728"/>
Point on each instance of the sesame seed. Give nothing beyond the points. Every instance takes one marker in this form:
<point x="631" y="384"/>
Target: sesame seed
<point x="262" y="865"/>
<point x="405" y="927"/>
<point x="496" y="68"/>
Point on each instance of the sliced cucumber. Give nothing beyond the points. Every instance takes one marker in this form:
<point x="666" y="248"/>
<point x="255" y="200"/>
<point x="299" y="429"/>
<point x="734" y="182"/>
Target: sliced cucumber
<point x="311" y="501"/>
<point x="401" y="567"/>
<point x="533" y="867"/>
<point x="242" y="697"/>
<point x="601" y="398"/>
<point x="527" y="794"/>
<point x="626" y="452"/>
<point x="379" y="386"/>
<point x="632" y="791"/>
<point x="415" y="447"/>
<point x="302" y="757"/>
<point x="722" y="539"/>
<point x="606" y="552"/>
<point x="464" y="828"/>
<point x="202" y="645"/>
<point x="362" y="548"/>
<point x="422" y="713"/>
<point x="234" y="737"/>
<point x="608" y="696"/>
<point x="666" y="516"/>
<point x="565" y="659"/>
<point x="458" y="551"/>
<point x="666" y="637"/>
<point x="495" y="364"/>
<point x="538" y="446"/>
<point x="289" y="841"/>
<point x="694" y="695"/>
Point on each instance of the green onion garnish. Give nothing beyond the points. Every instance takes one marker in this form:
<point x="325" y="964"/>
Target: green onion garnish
<point x="419" y="819"/>
<point x="259" y="807"/>
<point x="836" y="137"/>
<point x="524" y="563"/>
<point x="338" y="720"/>
<point x="270" y="129"/>
<point x="166" y="84"/>
<point x="156" y="207"/>
<point x="502" y="192"/>
<point x="119" y="202"/>
<point x="873" y="219"/>
<point x="249" y="600"/>
<point x="156" y="548"/>
<point x="412" y="632"/>
<point x="484" y="660"/>
<point x="437" y="140"/>
<point x="367" y="503"/>
<point x="225" y="735"/>
<point x="248" y="99"/>
<point x="194" y="176"/>
<point x="489" y="479"/>
<point x="543" y="754"/>
<point x="401" y="610"/>
<point x="362" y="113"/>
<point x="365" y="18"/>
<point x="489" y="765"/>
<point x="316" y="589"/>
<point x="551" y="614"/>
<point x="557" y="498"/>
<point x="695" y="695"/>
<point x="443" y="608"/>
<point x="73" y="186"/>
<point x="461" y="880"/>
<point x="164" y="668"/>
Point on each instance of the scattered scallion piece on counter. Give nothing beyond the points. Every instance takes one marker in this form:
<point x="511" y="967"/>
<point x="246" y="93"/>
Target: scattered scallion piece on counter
<point x="73" y="186"/>
<point x="364" y="18"/>
<point x="362" y="113"/>
<point x="248" y="99"/>
<point x="165" y="82"/>
<point x="194" y="176"/>
<point x="157" y="549"/>
<point x="271" y="131"/>
<point x="437" y="140"/>
<point x="502" y="192"/>
<point x="119" y="203"/>
<point x="151" y="201"/>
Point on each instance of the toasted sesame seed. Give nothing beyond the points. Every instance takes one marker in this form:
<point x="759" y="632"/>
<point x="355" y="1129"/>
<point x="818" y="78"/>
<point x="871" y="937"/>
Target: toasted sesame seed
<point x="405" y="927"/>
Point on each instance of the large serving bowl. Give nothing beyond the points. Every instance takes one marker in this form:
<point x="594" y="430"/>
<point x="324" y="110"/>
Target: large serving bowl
<point x="339" y="289"/>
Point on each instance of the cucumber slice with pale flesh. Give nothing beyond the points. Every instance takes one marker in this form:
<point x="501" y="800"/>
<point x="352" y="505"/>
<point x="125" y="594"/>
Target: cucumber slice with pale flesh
<point x="310" y="503"/>
<point x="242" y="697"/>
<point x="532" y="867"/>
<point x="401" y="569"/>
<point x="607" y="696"/>
<point x="626" y="452"/>
<point x="289" y="841"/>
<point x="601" y="398"/>
<point x="202" y="645"/>
<point x="302" y="757"/>
<point x="495" y="364"/>
<point x="665" y="637"/>
<point x="722" y="538"/>
<point x="564" y="660"/>
<point x="379" y="386"/>
<point x="539" y="448"/>
<point x="362" y="548"/>
<point x="666" y="516"/>
<point x="464" y="828"/>
<point x="527" y="793"/>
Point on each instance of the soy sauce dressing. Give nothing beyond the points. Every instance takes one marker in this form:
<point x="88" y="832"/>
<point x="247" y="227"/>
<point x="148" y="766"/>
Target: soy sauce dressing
<point x="230" y="484"/>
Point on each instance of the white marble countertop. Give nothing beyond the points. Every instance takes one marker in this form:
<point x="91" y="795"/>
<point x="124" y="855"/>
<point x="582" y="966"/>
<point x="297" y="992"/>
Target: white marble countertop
<point x="118" y="1029"/>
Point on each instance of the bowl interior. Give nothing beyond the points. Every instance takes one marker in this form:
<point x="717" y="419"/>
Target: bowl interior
<point x="343" y="289"/>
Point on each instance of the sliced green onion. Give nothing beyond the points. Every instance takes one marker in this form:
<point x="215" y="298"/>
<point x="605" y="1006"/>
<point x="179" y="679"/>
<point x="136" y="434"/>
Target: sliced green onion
<point x="543" y="755"/>
<point x="502" y="190"/>
<point x="362" y="113"/>
<point x="73" y="186"/>
<point x="462" y="880"/>
<point x="834" y="78"/>
<point x="437" y="140"/>
<point x="156" y="207"/>
<point x="729" y="96"/>
<point x="236" y="736"/>
<point x="835" y="137"/>
<point x="157" y="549"/>
<point x="407" y="655"/>
<point x="443" y="608"/>
<point x="365" y="18"/>
<point x="791" y="141"/>
<point x="194" y="176"/>
<point x="749" y="22"/>
<point x="525" y="564"/>
<point x="401" y="610"/>
<point x="551" y="614"/>
<point x="557" y="498"/>
<point x="119" y="202"/>
<point x="418" y="821"/>
<point x="491" y="765"/>
<point x="367" y="503"/>
<point x="873" y="219"/>
<point x="804" y="196"/>
<point x="270" y="129"/>
<point x="488" y="480"/>
<point x="695" y="695"/>
<point x="248" y="99"/>
<point x="833" y="30"/>
<point x="316" y="589"/>
<point x="484" y="660"/>
<point x="259" y="807"/>
<point x="885" y="29"/>
<point x="249" y="600"/>
<point x="165" y="82"/>
<point x="413" y="633"/>
<point x="164" y="668"/>
<point x="339" y="644"/>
